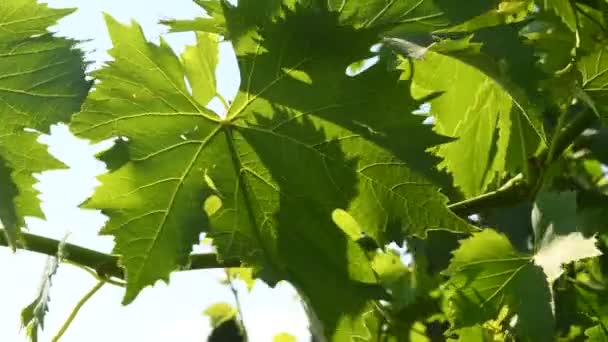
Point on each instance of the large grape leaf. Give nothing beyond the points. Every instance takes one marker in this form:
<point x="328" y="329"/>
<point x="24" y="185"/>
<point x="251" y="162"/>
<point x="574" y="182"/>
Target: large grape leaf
<point x="41" y="83"/>
<point x="302" y="140"/>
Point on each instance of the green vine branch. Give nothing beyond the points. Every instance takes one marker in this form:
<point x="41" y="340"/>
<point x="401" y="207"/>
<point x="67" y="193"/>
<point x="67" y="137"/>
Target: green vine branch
<point x="106" y="265"/>
<point x="519" y="188"/>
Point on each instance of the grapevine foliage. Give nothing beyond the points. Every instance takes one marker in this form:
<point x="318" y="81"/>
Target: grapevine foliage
<point x="319" y="162"/>
<point x="41" y="83"/>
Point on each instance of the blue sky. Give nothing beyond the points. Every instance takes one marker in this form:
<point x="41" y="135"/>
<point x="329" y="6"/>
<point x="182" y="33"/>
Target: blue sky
<point x="162" y="313"/>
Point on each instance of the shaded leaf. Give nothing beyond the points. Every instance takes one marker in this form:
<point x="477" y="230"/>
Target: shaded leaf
<point x="553" y="215"/>
<point x="564" y="9"/>
<point x="592" y="212"/>
<point x="487" y="273"/>
<point x="514" y="222"/>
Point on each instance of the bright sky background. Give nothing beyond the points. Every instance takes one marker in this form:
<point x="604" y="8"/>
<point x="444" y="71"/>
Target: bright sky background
<point x="162" y="313"/>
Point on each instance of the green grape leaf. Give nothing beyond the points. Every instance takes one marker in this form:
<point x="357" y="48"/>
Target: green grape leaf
<point x="493" y="132"/>
<point x="200" y="61"/>
<point x="487" y="273"/>
<point x="41" y="83"/>
<point x="300" y="140"/>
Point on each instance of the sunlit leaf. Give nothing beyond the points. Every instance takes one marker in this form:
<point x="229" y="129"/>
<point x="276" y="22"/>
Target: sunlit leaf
<point x="41" y="83"/>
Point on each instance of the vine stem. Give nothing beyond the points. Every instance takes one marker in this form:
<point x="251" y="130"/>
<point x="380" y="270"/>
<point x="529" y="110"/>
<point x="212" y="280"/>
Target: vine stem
<point x="106" y="265"/>
<point x="76" y="309"/>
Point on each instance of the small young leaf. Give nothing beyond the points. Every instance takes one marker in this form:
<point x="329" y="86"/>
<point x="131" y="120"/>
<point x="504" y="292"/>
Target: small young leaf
<point x="395" y="277"/>
<point x="564" y="250"/>
<point x="32" y="316"/>
<point x="219" y="313"/>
